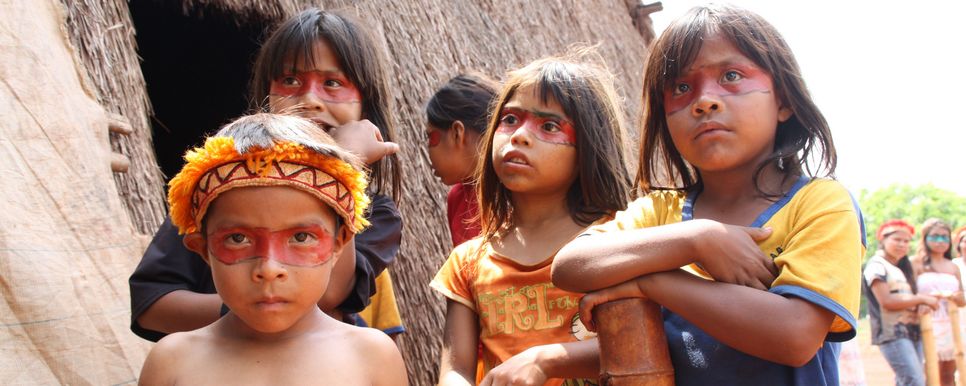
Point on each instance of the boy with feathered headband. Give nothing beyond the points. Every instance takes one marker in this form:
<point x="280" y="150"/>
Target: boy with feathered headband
<point x="269" y="202"/>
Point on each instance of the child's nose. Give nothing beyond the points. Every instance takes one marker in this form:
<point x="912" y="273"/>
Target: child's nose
<point x="707" y="103"/>
<point x="268" y="269"/>
<point x="311" y="101"/>
<point x="521" y="136"/>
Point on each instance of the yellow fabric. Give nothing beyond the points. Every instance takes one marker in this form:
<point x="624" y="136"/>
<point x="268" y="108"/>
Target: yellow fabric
<point x="816" y="239"/>
<point x="382" y="312"/>
<point x="518" y="307"/>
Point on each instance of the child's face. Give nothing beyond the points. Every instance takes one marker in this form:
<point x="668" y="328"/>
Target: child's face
<point x="534" y="146"/>
<point x="723" y="111"/>
<point x="937" y="240"/>
<point x="271" y="251"/>
<point x="322" y="93"/>
<point x="452" y="153"/>
<point x="896" y="244"/>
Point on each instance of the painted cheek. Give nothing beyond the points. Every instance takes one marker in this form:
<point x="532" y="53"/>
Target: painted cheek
<point x="314" y="83"/>
<point x="274" y="245"/>
<point x="434" y="137"/>
<point x="753" y="80"/>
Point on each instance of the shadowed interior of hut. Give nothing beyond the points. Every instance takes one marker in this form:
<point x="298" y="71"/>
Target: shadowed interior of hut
<point x="197" y="69"/>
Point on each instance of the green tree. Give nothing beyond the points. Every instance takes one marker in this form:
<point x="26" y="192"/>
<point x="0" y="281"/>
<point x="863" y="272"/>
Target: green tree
<point x="913" y="204"/>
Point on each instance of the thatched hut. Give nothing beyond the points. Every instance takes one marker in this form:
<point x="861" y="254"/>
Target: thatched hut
<point x="71" y="231"/>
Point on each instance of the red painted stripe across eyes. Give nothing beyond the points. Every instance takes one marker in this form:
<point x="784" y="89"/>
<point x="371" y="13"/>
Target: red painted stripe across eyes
<point x="534" y="124"/>
<point x="315" y="82"/>
<point x="280" y="246"/>
<point x="709" y="83"/>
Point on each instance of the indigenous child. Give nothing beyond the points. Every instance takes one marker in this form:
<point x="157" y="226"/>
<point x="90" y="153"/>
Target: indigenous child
<point x="457" y="116"/>
<point x="269" y="202"/>
<point x="730" y="127"/>
<point x="937" y="275"/>
<point x="322" y="66"/>
<point x="552" y="165"/>
<point x="888" y="282"/>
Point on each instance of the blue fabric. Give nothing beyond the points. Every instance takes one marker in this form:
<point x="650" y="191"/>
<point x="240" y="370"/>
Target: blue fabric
<point x="905" y="357"/>
<point x="700" y="359"/>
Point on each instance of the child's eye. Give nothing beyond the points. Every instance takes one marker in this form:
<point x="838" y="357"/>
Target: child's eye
<point x="303" y="237"/>
<point x="509" y="119"/>
<point x="681" y="89"/>
<point x="550" y="126"/>
<point x="236" y="239"/>
<point x="332" y="83"/>
<point x="290" y="81"/>
<point x="731" y="76"/>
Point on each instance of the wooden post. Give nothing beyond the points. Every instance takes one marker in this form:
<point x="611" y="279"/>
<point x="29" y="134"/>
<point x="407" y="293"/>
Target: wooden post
<point x="953" y="311"/>
<point x="929" y="347"/>
<point x="633" y="348"/>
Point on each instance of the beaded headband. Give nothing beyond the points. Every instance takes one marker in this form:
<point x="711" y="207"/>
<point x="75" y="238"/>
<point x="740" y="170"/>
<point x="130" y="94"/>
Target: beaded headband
<point x="219" y="167"/>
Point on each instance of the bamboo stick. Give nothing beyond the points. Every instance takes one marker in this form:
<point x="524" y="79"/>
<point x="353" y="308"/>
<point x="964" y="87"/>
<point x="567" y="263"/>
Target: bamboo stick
<point x="953" y="310"/>
<point x="929" y="347"/>
<point x="633" y="347"/>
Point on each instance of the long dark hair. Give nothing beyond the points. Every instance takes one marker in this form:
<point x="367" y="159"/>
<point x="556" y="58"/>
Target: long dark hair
<point x="465" y="98"/>
<point x="293" y="42"/>
<point x="662" y="166"/>
<point x="586" y="94"/>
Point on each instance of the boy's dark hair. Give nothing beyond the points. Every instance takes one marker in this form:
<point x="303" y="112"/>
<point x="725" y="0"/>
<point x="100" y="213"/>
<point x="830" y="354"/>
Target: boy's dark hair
<point x="465" y="98"/>
<point x="759" y="41"/>
<point x="586" y="94"/>
<point x="292" y="43"/>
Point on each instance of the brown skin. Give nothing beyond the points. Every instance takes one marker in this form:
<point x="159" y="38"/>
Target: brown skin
<point x="276" y="333"/>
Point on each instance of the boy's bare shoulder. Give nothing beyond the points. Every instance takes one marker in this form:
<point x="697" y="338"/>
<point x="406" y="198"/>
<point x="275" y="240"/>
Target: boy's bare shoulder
<point x="377" y="353"/>
<point x="167" y="358"/>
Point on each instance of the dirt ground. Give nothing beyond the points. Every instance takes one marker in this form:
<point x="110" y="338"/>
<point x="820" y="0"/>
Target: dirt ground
<point x="877" y="370"/>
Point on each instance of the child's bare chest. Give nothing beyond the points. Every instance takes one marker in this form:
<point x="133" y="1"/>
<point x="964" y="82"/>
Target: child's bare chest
<point x="297" y="365"/>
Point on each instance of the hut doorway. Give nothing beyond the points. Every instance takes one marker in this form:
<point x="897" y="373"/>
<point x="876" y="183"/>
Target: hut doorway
<point x="197" y="67"/>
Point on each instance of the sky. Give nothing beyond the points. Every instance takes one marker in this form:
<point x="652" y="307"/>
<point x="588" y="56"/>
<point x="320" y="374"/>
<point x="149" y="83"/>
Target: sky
<point x="886" y="75"/>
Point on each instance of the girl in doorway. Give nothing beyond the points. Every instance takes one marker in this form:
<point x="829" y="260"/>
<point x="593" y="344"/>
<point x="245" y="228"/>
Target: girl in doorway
<point x="552" y="165"/>
<point x="730" y="136"/>
<point x="322" y="66"/>
<point x="456" y="118"/>
<point x="937" y="275"/>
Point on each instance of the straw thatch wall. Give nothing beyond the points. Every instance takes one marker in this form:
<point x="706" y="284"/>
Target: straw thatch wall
<point x="426" y="42"/>
<point x="66" y="241"/>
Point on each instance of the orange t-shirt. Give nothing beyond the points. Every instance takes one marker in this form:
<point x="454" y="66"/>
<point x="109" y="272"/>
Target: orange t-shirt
<point x="517" y="305"/>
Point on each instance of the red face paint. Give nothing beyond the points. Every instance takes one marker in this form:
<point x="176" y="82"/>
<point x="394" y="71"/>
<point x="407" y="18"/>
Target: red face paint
<point x="434" y="137"/>
<point x="332" y="87"/>
<point x="719" y="81"/>
<point x="549" y="128"/>
<point x="301" y="246"/>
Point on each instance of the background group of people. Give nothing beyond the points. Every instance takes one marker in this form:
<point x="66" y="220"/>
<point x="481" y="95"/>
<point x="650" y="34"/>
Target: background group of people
<point x="900" y="287"/>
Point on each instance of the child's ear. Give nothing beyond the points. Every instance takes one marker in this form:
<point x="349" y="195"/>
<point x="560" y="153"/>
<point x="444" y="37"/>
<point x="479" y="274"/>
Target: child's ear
<point x="342" y="238"/>
<point x="458" y="131"/>
<point x="196" y="243"/>
<point x="784" y="113"/>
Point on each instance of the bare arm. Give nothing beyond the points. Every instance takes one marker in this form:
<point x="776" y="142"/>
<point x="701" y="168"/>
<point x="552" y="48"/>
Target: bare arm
<point x="539" y="363"/>
<point x="460" y="343"/>
<point x="181" y="310"/>
<point x="727" y="252"/>
<point x="896" y="302"/>
<point x="343" y="278"/>
<point x="732" y="314"/>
